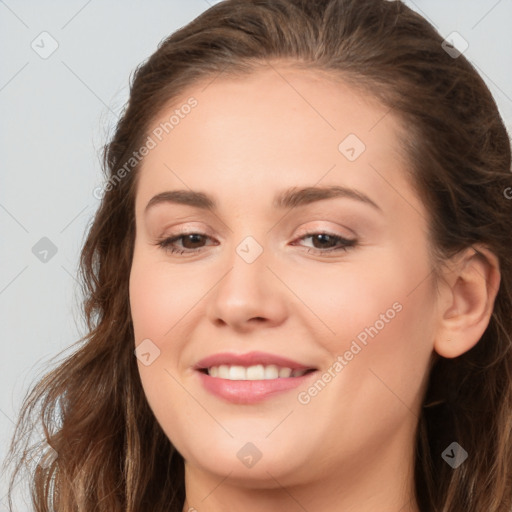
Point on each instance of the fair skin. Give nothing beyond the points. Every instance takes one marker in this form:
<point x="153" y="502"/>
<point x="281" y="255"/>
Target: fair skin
<point x="350" y="447"/>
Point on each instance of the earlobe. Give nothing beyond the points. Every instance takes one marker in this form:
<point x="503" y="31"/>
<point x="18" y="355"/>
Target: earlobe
<point x="467" y="301"/>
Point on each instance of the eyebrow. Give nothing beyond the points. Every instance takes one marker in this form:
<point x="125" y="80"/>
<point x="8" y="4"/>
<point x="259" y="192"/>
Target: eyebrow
<point x="288" y="199"/>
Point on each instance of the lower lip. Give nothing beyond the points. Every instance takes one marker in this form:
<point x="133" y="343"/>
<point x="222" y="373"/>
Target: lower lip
<point x="250" y="391"/>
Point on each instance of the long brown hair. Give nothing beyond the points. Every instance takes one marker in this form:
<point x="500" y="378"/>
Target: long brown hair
<point x="112" y="453"/>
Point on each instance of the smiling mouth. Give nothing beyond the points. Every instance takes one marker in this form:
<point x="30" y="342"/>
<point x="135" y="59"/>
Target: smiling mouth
<point x="255" y="372"/>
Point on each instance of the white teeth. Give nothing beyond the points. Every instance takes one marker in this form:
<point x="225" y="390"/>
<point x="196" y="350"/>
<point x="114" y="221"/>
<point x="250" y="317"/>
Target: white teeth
<point x="236" y="373"/>
<point x="271" y="372"/>
<point x="285" y="372"/>
<point x="223" y="371"/>
<point x="256" y="372"/>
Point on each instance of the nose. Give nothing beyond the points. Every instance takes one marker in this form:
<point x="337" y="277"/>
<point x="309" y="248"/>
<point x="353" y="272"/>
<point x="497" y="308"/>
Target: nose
<point x="249" y="295"/>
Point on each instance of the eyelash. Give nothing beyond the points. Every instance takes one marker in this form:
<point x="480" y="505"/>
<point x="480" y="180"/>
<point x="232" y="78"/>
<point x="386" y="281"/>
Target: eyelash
<point x="346" y="243"/>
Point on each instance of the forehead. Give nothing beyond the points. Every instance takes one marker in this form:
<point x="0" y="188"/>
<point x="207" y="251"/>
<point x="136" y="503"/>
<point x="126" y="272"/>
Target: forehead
<point x="277" y="127"/>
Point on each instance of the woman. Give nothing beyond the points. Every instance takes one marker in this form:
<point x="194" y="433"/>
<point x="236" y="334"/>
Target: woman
<point x="304" y="237"/>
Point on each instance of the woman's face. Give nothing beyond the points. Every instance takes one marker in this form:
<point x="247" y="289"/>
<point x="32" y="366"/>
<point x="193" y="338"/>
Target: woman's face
<point x="339" y="283"/>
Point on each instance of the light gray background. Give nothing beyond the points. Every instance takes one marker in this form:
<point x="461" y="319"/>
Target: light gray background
<point x="57" y="113"/>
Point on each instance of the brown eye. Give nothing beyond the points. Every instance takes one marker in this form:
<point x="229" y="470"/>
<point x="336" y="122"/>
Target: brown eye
<point x="190" y="242"/>
<point x="328" y="242"/>
<point x="324" y="240"/>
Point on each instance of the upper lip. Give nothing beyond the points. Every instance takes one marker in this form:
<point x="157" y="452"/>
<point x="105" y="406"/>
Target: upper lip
<point x="249" y="359"/>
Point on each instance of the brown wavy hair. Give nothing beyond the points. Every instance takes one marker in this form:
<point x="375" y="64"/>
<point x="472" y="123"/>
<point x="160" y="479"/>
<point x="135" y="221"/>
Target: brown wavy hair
<point x="112" y="454"/>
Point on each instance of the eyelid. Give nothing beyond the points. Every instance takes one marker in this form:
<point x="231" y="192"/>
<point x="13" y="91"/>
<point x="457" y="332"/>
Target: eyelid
<point x="302" y="231"/>
<point x="171" y="230"/>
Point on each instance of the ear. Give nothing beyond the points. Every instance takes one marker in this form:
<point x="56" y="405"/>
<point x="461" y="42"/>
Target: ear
<point x="466" y="300"/>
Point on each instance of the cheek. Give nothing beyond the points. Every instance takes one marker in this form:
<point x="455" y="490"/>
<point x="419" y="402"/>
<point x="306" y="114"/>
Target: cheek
<point x="379" y="316"/>
<point x="160" y="297"/>
<point x="383" y="326"/>
<point x="383" y="317"/>
<point x="157" y="302"/>
<point x="361" y="296"/>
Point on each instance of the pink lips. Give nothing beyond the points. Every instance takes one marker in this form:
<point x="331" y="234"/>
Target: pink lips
<point x="249" y="359"/>
<point x="249" y="391"/>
